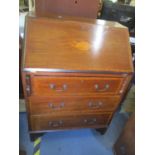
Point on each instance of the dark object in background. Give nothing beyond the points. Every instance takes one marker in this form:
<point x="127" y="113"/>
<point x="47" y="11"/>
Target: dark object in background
<point x="26" y="2"/>
<point x="124" y="1"/>
<point x="125" y="144"/>
<point x="124" y="14"/>
<point x="21" y="152"/>
<point x="79" y="8"/>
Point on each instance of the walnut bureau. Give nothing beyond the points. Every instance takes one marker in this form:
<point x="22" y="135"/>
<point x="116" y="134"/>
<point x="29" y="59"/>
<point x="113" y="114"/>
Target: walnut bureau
<point x="75" y="72"/>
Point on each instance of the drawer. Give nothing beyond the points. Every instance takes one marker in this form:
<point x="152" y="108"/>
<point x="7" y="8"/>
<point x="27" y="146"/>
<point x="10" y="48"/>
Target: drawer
<point x="49" y="122"/>
<point x="47" y="85"/>
<point x="54" y="105"/>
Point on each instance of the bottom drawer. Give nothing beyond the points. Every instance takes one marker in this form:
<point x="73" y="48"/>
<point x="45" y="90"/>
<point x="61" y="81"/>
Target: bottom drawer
<point x="48" y="122"/>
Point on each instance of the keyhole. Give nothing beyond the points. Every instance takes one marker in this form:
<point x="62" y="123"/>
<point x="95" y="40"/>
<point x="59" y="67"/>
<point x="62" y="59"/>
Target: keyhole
<point x="75" y="2"/>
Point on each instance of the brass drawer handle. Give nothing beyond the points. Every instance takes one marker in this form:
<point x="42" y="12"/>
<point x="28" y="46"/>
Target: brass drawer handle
<point x="55" y="123"/>
<point x="90" y="121"/>
<point x="95" y="105"/>
<point x="53" y="87"/>
<point x="50" y="105"/>
<point x="106" y="87"/>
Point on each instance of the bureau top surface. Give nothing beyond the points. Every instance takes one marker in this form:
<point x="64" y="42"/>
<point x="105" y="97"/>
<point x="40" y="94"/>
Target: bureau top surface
<point x="67" y="44"/>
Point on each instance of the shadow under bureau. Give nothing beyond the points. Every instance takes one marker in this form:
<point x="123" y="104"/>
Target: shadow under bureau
<point x="75" y="72"/>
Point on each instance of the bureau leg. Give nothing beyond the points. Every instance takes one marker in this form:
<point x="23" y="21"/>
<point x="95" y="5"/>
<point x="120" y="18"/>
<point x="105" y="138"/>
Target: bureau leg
<point x="101" y="130"/>
<point x="34" y="136"/>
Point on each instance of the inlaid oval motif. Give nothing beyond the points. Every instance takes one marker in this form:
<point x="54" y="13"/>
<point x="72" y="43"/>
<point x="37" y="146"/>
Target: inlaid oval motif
<point x="81" y="45"/>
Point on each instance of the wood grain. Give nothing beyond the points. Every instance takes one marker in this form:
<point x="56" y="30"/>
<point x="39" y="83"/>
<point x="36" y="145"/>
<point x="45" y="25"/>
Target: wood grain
<point x="76" y="46"/>
<point x="74" y="85"/>
<point x="71" y="65"/>
<point x="42" y="122"/>
<point x="83" y="104"/>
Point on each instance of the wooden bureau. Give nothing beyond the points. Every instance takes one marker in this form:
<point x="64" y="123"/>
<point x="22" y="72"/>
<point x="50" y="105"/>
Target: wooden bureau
<point x="75" y="72"/>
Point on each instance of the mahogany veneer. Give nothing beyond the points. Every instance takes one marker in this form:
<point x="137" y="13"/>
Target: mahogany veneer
<point x="75" y="72"/>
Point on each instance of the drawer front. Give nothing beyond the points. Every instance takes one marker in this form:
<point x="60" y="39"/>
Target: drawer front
<point x="54" y="105"/>
<point x="47" y="85"/>
<point x="49" y="122"/>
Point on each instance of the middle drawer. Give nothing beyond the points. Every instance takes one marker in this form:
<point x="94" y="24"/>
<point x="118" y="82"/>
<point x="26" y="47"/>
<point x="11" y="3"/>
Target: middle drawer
<point x="44" y="105"/>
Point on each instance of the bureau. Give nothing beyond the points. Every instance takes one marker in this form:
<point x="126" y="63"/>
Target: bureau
<point x="75" y="72"/>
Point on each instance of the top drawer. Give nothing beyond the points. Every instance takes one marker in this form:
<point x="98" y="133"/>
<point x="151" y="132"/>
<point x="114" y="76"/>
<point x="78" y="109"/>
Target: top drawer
<point x="48" y="85"/>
